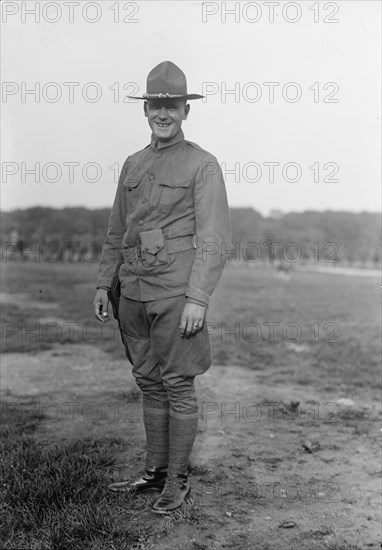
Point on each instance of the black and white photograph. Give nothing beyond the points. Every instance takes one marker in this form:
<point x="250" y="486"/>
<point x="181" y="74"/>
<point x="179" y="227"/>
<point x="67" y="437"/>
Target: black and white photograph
<point x="190" y="275"/>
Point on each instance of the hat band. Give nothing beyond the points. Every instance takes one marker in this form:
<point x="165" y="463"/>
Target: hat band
<point x="163" y="95"/>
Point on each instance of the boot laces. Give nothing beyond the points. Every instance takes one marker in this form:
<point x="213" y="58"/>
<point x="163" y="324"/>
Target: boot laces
<point x="174" y="484"/>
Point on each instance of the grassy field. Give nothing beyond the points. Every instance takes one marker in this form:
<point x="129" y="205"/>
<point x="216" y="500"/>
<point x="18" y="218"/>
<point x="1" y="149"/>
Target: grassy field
<point x="256" y="319"/>
<point x="316" y="334"/>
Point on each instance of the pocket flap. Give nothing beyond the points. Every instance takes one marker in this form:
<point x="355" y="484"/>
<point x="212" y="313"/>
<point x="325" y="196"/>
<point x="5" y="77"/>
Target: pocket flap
<point x="152" y="241"/>
<point x="133" y="175"/>
<point x="170" y="182"/>
<point x="131" y="181"/>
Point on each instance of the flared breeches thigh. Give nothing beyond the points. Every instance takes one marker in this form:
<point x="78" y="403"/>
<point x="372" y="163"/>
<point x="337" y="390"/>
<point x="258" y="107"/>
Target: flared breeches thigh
<point x="164" y="363"/>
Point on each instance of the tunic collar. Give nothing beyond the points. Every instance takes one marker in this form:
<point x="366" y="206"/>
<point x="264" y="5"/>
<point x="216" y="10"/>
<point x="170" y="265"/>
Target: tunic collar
<point x="158" y="145"/>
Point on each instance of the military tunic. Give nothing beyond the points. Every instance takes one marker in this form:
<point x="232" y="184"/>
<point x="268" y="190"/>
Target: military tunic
<point x="176" y="187"/>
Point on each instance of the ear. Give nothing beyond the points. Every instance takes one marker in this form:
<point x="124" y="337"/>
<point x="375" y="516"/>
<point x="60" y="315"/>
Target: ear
<point x="145" y="107"/>
<point x="186" y="111"/>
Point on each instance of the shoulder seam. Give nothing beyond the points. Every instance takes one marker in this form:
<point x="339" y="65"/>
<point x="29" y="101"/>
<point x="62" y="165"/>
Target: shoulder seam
<point x="196" y="146"/>
<point x="137" y="154"/>
<point x="139" y="151"/>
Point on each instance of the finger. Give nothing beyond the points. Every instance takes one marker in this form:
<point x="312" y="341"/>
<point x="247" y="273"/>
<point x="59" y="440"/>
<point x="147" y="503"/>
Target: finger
<point x="105" y="316"/>
<point x="196" y="327"/>
<point x="98" y="311"/>
<point x="182" y="326"/>
<point x="189" y="327"/>
<point x="105" y="310"/>
<point x="105" y="304"/>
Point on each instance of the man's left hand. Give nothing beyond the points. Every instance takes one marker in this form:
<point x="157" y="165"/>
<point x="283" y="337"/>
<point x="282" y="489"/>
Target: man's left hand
<point x="192" y="319"/>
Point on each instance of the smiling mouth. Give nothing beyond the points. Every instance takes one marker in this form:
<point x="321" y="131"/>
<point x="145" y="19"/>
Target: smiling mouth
<point x="163" y="125"/>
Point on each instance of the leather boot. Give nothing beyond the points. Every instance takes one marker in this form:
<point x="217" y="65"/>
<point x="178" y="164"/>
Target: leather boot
<point x="153" y="479"/>
<point x="173" y="495"/>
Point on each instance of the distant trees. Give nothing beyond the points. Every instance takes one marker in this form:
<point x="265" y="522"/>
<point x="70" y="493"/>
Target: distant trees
<point x="329" y="237"/>
<point x="67" y="234"/>
<point x="75" y="234"/>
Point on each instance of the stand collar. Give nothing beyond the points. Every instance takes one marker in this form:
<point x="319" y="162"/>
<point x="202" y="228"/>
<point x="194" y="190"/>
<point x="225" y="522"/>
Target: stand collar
<point x="158" y="145"/>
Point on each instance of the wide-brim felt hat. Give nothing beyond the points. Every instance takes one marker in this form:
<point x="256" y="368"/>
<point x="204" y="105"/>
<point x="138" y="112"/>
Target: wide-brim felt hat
<point x="167" y="81"/>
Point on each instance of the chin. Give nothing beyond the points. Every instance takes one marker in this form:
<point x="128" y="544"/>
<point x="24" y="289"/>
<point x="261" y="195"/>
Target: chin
<point x="162" y="137"/>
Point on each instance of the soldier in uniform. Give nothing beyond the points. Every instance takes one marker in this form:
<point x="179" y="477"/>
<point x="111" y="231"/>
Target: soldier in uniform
<point x="170" y="223"/>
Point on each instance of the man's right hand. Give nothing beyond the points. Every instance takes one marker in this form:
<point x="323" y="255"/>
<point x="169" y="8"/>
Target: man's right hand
<point x="101" y="303"/>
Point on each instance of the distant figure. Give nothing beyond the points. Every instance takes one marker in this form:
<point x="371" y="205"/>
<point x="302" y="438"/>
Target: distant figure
<point x="282" y="270"/>
<point x="18" y="243"/>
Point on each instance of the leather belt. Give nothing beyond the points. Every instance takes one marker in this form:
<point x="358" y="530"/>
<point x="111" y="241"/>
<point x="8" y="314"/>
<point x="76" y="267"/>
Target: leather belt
<point x="132" y="254"/>
<point x="179" y="244"/>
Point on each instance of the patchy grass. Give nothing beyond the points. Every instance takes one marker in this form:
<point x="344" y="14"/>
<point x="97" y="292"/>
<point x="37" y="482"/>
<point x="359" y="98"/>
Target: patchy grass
<point x="55" y="496"/>
<point x="57" y="308"/>
<point x="313" y="322"/>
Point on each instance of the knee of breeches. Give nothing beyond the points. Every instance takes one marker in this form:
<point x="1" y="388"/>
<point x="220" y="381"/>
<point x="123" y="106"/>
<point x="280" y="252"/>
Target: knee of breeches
<point x="181" y="400"/>
<point x="152" y="391"/>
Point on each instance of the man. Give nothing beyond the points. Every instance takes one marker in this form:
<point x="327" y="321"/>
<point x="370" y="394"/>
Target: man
<point x="170" y="222"/>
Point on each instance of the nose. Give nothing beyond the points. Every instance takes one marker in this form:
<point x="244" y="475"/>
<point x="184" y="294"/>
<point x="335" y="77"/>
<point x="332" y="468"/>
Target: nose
<point x="163" y="113"/>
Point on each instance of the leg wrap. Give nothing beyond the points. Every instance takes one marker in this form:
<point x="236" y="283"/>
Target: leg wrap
<point x="156" y="421"/>
<point x="182" y="433"/>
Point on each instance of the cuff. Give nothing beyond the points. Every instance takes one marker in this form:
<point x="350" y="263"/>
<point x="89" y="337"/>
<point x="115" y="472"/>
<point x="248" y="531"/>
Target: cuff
<point x="104" y="287"/>
<point x="197" y="295"/>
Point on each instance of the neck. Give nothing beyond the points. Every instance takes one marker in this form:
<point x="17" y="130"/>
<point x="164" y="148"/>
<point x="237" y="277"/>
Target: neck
<point x="161" y="144"/>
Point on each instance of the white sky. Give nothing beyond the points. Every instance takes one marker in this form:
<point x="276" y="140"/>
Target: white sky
<point x="106" y="131"/>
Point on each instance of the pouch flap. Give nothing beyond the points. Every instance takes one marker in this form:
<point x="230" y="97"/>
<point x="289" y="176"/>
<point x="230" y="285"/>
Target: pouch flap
<point x="152" y="241"/>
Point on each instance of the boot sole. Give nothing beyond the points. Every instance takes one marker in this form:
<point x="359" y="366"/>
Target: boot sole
<point x="135" y="491"/>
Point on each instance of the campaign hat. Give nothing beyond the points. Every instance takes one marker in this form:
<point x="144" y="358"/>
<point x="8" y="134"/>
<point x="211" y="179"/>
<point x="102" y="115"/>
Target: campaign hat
<point x="167" y="81"/>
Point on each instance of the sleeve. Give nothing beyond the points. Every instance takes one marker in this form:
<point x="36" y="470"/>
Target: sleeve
<point x="213" y="231"/>
<point x="111" y="250"/>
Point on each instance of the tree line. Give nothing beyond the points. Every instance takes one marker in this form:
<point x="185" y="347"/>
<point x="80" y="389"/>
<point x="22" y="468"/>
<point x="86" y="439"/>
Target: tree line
<point x="332" y="237"/>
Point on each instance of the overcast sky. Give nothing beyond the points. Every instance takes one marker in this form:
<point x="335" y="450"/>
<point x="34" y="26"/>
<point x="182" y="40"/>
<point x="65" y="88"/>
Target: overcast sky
<point x="322" y="127"/>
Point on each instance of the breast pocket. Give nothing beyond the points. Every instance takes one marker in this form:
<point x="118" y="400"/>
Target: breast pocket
<point x="132" y="183"/>
<point x="174" y="192"/>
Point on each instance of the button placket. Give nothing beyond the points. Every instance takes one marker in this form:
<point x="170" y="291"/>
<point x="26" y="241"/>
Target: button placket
<point x="147" y="185"/>
<point x="156" y="189"/>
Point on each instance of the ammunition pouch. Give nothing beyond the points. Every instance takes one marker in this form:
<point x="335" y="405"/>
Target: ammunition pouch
<point x="154" y="249"/>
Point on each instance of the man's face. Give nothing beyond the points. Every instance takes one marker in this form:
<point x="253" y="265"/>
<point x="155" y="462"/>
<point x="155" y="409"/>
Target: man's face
<point x="165" y="116"/>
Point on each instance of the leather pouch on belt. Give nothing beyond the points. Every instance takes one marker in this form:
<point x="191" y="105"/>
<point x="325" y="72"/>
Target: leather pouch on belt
<point x="153" y="249"/>
<point x="130" y="255"/>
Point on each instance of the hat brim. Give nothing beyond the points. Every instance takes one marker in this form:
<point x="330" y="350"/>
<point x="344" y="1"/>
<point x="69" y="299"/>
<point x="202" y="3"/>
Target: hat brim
<point x="166" y="96"/>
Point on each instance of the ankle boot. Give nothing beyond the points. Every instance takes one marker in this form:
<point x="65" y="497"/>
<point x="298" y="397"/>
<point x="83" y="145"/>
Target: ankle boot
<point x="176" y="489"/>
<point x="152" y="480"/>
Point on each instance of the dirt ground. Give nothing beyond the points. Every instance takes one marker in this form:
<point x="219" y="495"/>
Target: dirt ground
<point x="266" y="474"/>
